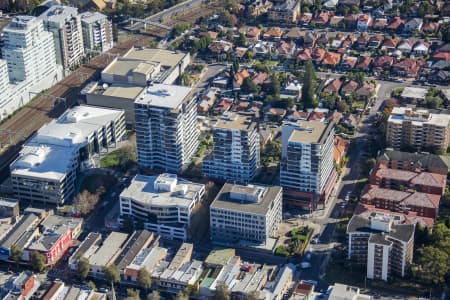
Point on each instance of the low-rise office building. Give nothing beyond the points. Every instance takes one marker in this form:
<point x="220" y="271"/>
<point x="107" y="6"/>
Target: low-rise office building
<point x="236" y="155"/>
<point x="57" y="234"/>
<point x="382" y="244"/>
<point x="19" y="235"/>
<point x="250" y="213"/>
<point x="140" y="65"/>
<point x="163" y="203"/>
<point x="285" y="11"/>
<point x="307" y="173"/>
<point x="48" y="163"/>
<point x="139" y="239"/>
<point x="9" y="207"/>
<point x="87" y="247"/>
<point x="101" y="255"/>
<point x="147" y="258"/>
<point x="419" y="129"/>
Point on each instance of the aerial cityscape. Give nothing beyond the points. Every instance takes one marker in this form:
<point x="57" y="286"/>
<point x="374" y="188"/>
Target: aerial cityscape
<point x="224" y="150"/>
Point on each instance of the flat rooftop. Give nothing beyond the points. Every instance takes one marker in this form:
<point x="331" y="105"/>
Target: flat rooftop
<point x="59" y="14"/>
<point x="130" y="92"/>
<point x="91" y="17"/>
<point x="414" y="92"/>
<point x="418" y="117"/>
<point x="134" y="245"/>
<point x="108" y="249"/>
<point x="177" y="192"/>
<point x="235" y="121"/>
<point x="312" y="132"/>
<point x="7" y="202"/>
<point x="167" y="58"/>
<point x="163" y="95"/>
<point x="266" y="195"/>
<point x="49" y="153"/>
<point x="124" y="66"/>
<point x="220" y="256"/>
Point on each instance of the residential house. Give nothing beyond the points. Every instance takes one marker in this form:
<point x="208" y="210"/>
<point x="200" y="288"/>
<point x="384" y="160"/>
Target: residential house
<point x="366" y="91"/>
<point x="350" y="21"/>
<point x="239" y="78"/>
<point x="395" y="25"/>
<point x="330" y="4"/>
<point x="382" y="63"/>
<point x="298" y="116"/>
<point x="306" y="18"/>
<point x="294" y="34"/>
<point x="318" y="55"/>
<point x="331" y="60"/>
<point x="219" y="49"/>
<point x="253" y="34"/>
<point x="349" y="121"/>
<point x="209" y="34"/>
<point x="407" y="67"/>
<point x="349" y="87"/>
<point x="274" y="33"/>
<point x="322" y="40"/>
<point x="440" y="77"/>
<point x="421" y="48"/>
<point x="441" y="56"/>
<point x="364" y="63"/>
<point x="317" y="116"/>
<point x="374" y="42"/>
<point x="321" y="19"/>
<point x="349" y="3"/>
<point x="340" y="149"/>
<point x="262" y="48"/>
<point x="304" y="55"/>
<point x="240" y="52"/>
<point x="430" y="27"/>
<point x="259" y="78"/>
<point x="276" y="114"/>
<point x="348" y="63"/>
<point x="405" y="46"/>
<point x="223" y="105"/>
<point x="362" y="41"/>
<point x="413" y="25"/>
<point x="337" y="41"/>
<point x="347" y="43"/>
<point x="335" y="21"/>
<point x="380" y="24"/>
<point x="364" y="22"/>
<point x="285" y="50"/>
<point x="309" y="40"/>
<point x="334" y="86"/>
<point x="389" y="44"/>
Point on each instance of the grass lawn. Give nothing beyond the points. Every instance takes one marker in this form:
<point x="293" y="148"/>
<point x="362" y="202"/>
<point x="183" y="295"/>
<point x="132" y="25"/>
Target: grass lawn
<point x="120" y="159"/>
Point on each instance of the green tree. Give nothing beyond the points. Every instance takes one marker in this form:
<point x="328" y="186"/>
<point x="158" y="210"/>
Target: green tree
<point x="248" y="86"/>
<point x="83" y="268"/>
<point x="133" y="294"/>
<point x="222" y="292"/>
<point x="144" y="279"/>
<point x="434" y="264"/>
<point x="253" y="295"/>
<point x="309" y="86"/>
<point x="153" y="295"/>
<point x="16" y="254"/>
<point x="37" y="261"/>
<point x="92" y="285"/>
<point x="275" y="87"/>
<point x="181" y="296"/>
<point x="112" y="274"/>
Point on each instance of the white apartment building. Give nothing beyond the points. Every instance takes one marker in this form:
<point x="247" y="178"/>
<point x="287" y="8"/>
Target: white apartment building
<point x="47" y="166"/>
<point x="166" y="127"/>
<point x="382" y="243"/>
<point x="97" y="31"/>
<point x="163" y="203"/>
<point x="245" y="213"/>
<point x="418" y="128"/>
<point x="5" y="89"/>
<point x="235" y="156"/>
<point x="30" y="63"/>
<point x="65" y="24"/>
<point x="306" y="170"/>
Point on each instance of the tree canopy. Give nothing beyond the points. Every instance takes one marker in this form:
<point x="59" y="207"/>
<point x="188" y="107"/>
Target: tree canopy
<point x="111" y="273"/>
<point x="222" y="292"/>
<point x="37" y="261"/>
<point x="144" y="278"/>
<point x="309" y="86"/>
<point x="83" y="268"/>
